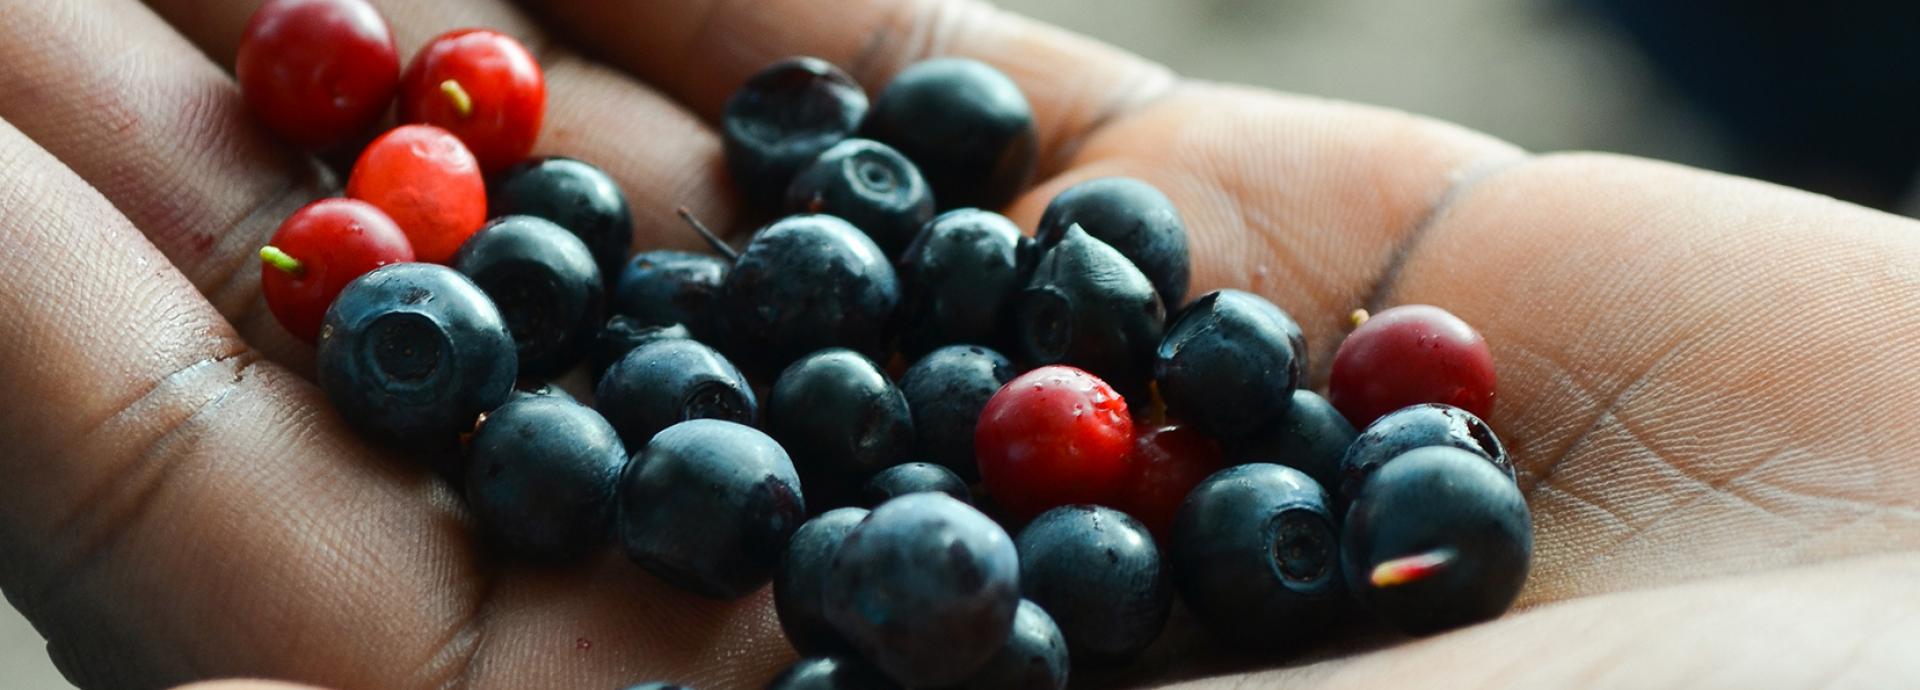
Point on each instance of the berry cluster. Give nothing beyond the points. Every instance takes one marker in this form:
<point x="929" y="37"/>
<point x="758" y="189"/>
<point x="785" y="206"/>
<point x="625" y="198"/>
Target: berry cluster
<point x="1068" y="447"/>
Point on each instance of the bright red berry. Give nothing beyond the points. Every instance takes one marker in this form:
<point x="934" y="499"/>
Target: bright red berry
<point x="425" y="179"/>
<point x="317" y="71"/>
<point x="1409" y="355"/>
<point x="1167" y="463"/>
<point x="317" y="251"/>
<point x="481" y="85"/>
<point x="1051" y="437"/>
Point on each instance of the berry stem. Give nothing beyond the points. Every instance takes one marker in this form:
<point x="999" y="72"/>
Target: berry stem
<point x="1358" y="317"/>
<point x="719" y="245"/>
<point x="462" y="103"/>
<point x="1414" y="568"/>
<point x="272" y="256"/>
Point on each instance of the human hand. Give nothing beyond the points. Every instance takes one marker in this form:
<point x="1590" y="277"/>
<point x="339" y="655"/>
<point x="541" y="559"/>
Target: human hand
<point x="1706" y="382"/>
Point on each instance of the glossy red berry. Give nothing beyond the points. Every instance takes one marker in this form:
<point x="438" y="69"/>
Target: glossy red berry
<point x="317" y="251"/>
<point x="481" y="85"/>
<point x="1052" y="437"/>
<point x="1167" y="463"/>
<point x="317" y="71"/>
<point x="1410" y="355"/>
<point x="423" y="178"/>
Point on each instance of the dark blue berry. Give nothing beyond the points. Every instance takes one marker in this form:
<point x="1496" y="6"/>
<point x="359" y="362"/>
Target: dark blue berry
<point x="1228" y="364"/>
<point x="959" y="278"/>
<point x="668" y="381"/>
<point x="539" y="390"/>
<point x="806" y="283"/>
<point x="1097" y="572"/>
<point x="542" y="476"/>
<point x="912" y="478"/>
<point x="1255" y="556"/>
<point x="1087" y="306"/>
<point x="708" y="505"/>
<point x="1414" y="427"/>
<point x="801" y="577"/>
<point x="622" y="335"/>
<point x="870" y="185"/>
<point x="545" y="284"/>
<point x="411" y="354"/>
<point x="781" y="119"/>
<point x="965" y="124"/>
<point x="831" y="673"/>
<point x="1312" y="437"/>
<point x="925" y="588"/>
<point x="842" y="420"/>
<point x="946" y="390"/>
<point x="665" y="287"/>
<point x="1034" y="658"/>
<point x="1134" y="217"/>
<point x="1437" y="538"/>
<point x="574" y="195"/>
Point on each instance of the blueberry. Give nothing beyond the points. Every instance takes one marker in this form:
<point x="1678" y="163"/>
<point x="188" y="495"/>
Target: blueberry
<point x="965" y="124"/>
<point x="1437" y="538"/>
<point x="1254" y="555"/>
<point x="1034" y="657"/>
<point x="1311" y="437"/>
<point x="1098" y="573"/>
<point x="622" y="335"/>
<point x="539" y="390"/>
<point x="1087" y="306"/>
<point x="842" y="420"/>
<point x="870" y="185"/>
<point x="411" y="354"/>
<point x="806" y="283"/>
<point x="783" y="117"/>
<point x="946" y="390"/>
<point x="800" y="578"/>
<point x="831" y="673"/>
<point x="1413" y="427"/>
<point x="665" y="287"/>
<point x="1134" y="217"/>
<point x="542" y="475"/>
<point x="545" y="284"/>
<point x="708" y="505"/>
<point x="1228" y="364"/>
<point x="958" y="279"/>
<point x="912" y="478"/>
<point x="574" y="195"/>
<point x="668" y="381"/>
<point x="925" y="588"/>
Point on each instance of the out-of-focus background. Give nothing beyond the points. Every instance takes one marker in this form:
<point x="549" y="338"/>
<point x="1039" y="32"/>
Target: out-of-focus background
<point x="1818" y="95"/>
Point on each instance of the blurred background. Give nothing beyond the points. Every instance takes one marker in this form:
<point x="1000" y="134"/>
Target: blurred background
<point x="1819" y="95"/>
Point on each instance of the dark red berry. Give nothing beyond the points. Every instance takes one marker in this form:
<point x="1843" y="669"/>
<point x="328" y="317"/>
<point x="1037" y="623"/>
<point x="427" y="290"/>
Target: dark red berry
<point x="1052" y="437"/>
<point x="481" y="85"/>
<point x="1167" y="463"/>
<point x="317" y="71"/>
<point x="428" y="182"/>
<point x="317" y="251"/>
<point x="1410" y="355"/>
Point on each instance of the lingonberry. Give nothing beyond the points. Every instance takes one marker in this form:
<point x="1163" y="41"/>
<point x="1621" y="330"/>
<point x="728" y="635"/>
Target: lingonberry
<point x="544" y="281"/>
<point x="1255" y="556"/>
<point x="317" y="251"/>
<point x="781" y="119"/>
<point x="481" y="85"/>
<point x="574" y="195"/>
<point x="870" y="185"/>
<point x="664" y="286"/>
<point x="801" y="576"/>
<point x="946" y="390"/>
<point x="1312" y="438"/>
<point x="965" y="124"/>
<point x="842" y="419"/>
<point x="957" y="280"/>
<point x="1413" y="427"/>
<point x="1136" y="219"/>
<point x="912" y="478"/>
<point x="1409" y="355"/>
<point x="542" y="476"/>
<point x="708" y="505"/>
<point x="427" y="181"/>
<point x="1167" y="462"/>
<point x="1053" y="436"/>
<point x="1228" y="364"/>
<point x="1087" y="306"/>
<point x="317" y="72"/>
<point x="1096" y="571"/>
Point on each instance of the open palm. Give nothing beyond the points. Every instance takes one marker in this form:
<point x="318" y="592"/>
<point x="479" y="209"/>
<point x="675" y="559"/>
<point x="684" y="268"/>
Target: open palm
<point x="1708" y="383"/>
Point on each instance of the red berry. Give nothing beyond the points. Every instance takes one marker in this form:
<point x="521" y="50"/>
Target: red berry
<point x="1053" y="436"/>
<point x="317" y="71"/>
<point x="481" y="85"/>
<point x="425" y="179"/>
<point x="317" y="251"/>
<point x="1167" y="463"/>
<point x="1410" y="355"/>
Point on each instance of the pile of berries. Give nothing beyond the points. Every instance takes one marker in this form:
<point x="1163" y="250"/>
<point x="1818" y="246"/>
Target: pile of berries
<point x="1019" y="495"/>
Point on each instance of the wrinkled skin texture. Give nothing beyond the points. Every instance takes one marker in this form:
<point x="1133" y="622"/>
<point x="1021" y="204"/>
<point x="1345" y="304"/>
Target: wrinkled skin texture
<point x="1719" y="461"/>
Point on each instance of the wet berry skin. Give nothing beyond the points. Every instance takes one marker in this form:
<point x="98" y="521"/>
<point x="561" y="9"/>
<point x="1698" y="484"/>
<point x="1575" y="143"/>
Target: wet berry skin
<point x="1087" y="306"/>
<point x="870" y="185"/>
<point x="668" y="381"/>
<point x="546" y="285"/>
<point x="411" y="354"/>
<point x="621" y="335"/>
<point x="1312" y="438"/>
<point x="1167" y="463"/>
<point x="1255" y="556"/>
<point x="946" y="390"/>
<point x="831" y="673"/>
<point x="799" y="580"/>
<point x="1136" y="219"/>
<point x="806" y="283"/>
<point x="542" y="475"/>
<point x="1034" y="657"/>
<point x="428" y="183"/>
<point x="958" y="280"/>
<point x="723" y="540"/>
<point x="1459" y="527"/>
<point x="912" y="478"/>
<point x="1417" y="427"/>
<point x="965" y="124"/>
<point x="574" y="195"/>
<point x="664" y="286"/>
<point x="331" y="242"/>
<point x="925" y="588"/>
<point x="1097" y="572"/>
<point x="1228" y="364"/>
<point x="498" y="103"/>
<point x="781" y="119"/>
<point x="842" y="419"/>
<point x="317" y="72"/>
<point x="1054" y="436"/>
<point x="1409" y="355"/>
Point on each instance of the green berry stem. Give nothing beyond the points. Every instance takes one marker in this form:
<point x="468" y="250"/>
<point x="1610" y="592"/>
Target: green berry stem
<point x="272" y="256"/>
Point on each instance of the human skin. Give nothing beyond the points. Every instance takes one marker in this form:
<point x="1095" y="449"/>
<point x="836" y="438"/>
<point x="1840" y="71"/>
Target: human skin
<point x="1707" y="383"/>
